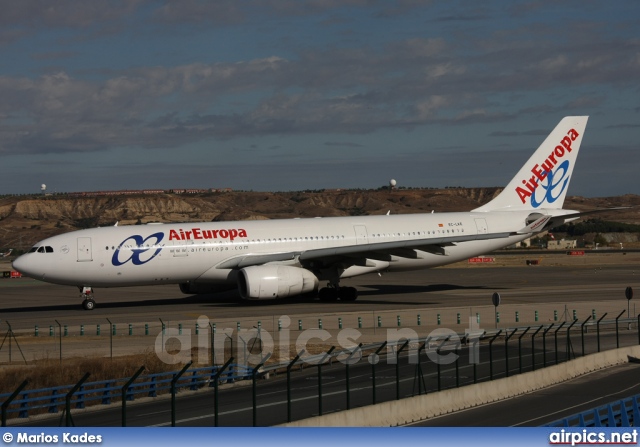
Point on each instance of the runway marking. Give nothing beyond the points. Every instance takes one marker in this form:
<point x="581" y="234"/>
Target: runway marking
<point x="526" y="394"/>
<point x="239" y="410"/>
<point x="283" y="402"/>
<point x="301" y="399"/>
<point x="581" y="404"/>
<point x="154" y="412"/>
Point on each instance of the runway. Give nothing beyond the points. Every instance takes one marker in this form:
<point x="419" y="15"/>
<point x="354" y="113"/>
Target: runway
<point x="26" y="302"/>
<point x="441" y="297"/>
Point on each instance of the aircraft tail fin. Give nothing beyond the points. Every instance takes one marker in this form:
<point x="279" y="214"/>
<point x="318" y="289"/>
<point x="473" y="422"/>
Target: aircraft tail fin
<point x="543" y="181"/>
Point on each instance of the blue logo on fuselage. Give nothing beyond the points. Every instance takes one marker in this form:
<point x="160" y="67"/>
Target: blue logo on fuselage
<point x="141" y="250"/>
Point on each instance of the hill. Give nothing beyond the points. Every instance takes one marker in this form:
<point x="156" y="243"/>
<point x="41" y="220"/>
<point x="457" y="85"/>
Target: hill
<point x="25" y="220"/>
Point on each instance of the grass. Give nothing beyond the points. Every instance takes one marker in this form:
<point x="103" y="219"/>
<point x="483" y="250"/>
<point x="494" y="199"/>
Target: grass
<point x="48" y="373"/>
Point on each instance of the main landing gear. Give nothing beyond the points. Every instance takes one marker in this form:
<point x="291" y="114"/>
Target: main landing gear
<point x="335" y="292"/>
<point x="88" y="302"/>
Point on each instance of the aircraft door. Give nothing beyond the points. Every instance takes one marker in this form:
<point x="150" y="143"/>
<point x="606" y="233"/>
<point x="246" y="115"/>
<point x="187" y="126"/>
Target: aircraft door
<point x="84" y="249"/>
<point x="361" y="234"/>
<point x="481" y="225"/>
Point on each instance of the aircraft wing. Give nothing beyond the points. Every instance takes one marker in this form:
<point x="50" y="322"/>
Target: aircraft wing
<point x="383" y="251"/>
<point x="404" y="249"/>
<point x="408" y="248"/>
<point x="248" y="260"/>
<point x="352" y="253"/>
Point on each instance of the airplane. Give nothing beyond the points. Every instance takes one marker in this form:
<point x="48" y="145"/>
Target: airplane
<point x="266" y="260"/>
<point x="5" y="254"/>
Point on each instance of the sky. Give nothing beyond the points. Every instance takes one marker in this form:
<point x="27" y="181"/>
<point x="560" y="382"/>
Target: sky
<point x="287" y="95"/>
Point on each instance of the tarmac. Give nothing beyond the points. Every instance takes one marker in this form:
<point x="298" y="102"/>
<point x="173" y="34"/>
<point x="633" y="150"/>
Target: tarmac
<point x="47" y="321"/>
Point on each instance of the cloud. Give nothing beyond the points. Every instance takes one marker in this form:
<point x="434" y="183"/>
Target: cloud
<point x="161" y="106"/>
<point x="230" y="12"/>
<point x="9" y="36"/>
<point x="455" y="79"/>
<point x="66" y="14"/>
<point x="623" y="126"/>
<point x="343" y="144"/>
<point x="54" y="55"/>
<point x="540" y="132"/>
<point x="221" y="12"/>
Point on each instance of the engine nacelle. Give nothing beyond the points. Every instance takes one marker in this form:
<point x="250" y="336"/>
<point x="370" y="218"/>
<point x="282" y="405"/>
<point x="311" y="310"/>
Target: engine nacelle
<point x="189" y="288"/>
<point x="268" y="282"/>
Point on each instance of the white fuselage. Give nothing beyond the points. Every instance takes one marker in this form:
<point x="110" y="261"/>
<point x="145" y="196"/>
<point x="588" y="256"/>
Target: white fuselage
<point x="196" y="252"/>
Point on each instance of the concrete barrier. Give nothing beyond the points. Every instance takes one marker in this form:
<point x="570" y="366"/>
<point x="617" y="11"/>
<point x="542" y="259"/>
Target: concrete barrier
<point x="413" y="409"/>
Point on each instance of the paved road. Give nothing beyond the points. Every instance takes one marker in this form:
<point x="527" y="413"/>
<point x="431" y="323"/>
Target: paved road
<point x="26" y="302"/>
<point x="423" y="301"/>
<point x="197" y="408"/>
<point x="550" y="404"/>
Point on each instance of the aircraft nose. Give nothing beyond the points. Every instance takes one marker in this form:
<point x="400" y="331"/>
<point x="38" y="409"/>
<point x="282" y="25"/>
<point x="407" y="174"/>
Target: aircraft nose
<point x="20" y="264"/>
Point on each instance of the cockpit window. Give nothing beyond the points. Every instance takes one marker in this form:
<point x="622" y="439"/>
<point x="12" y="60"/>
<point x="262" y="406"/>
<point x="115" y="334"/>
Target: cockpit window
<point x="43" y="249"/>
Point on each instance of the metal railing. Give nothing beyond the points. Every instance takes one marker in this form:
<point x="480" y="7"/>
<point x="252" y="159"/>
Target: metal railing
<point x="25" y="403"/>
<point x="53" y="400"/>
<point x="623" y="413"/>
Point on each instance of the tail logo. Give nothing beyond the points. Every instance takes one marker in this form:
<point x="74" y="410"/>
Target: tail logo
<point x="557" y="178"/>
<point x="551" y="186"/>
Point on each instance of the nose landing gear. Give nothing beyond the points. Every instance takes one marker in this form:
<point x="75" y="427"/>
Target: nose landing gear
<point x="88" y="303"/>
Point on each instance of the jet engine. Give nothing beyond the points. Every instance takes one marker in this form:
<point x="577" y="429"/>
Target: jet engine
<point x="268" y="282"/>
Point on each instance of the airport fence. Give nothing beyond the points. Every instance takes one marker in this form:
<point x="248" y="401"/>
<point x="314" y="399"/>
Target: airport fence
<point x="109" y="337"/>
<point x="509" y="351"/>
<point x="61" y="399"/>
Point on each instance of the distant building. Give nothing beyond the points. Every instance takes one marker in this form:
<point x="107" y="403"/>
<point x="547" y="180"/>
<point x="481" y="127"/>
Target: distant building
<point x="523" y="244"/>
<point x="562" y="244"/>
<point x="128" y="192"/>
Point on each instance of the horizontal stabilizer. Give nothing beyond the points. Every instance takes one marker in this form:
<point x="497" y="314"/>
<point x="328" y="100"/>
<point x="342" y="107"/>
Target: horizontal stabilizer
<point x="535" y="226"/>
